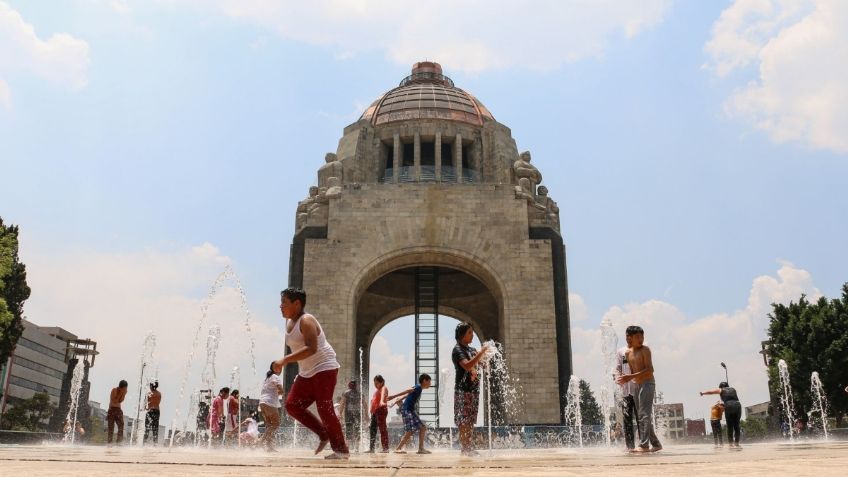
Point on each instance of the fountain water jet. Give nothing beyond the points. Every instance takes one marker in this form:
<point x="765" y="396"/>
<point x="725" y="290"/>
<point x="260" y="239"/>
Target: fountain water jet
<point x="76" y="387"/>
<point x="146" y="361"/>
<point x="786" y="401"/>
<point x="609" y="347"/>
<point x="573" y="416"/>
<point x="819" y="400"/>
<point x="217" y="284"/>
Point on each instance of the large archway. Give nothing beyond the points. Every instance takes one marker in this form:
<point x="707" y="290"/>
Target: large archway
<point x="397" y="293"/>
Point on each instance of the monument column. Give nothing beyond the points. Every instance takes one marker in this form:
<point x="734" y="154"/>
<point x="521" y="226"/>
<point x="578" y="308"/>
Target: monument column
<point x="438" y="147"/>
<point x="416" y="157"/>
<point x="396" y="160"/>
<point x="457" y="157"/>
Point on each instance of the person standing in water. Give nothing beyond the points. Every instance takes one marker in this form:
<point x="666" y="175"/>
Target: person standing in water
<point x="466" y="397"/>
<point x="715" y="422"/>
<point x="411" y="422"/>
<point x="151" y="419"/>
<point x="269" y="405"/>
<point x="642" y="373"/>
<point x="350" y="412"/>
<point x="115" y="416"/>
<point x="317" y="373"/>
<point x="379" y="412"/>
<point x="216" y="413"/>
<point x="231" y="428"/>
<point x="732" y="411"/>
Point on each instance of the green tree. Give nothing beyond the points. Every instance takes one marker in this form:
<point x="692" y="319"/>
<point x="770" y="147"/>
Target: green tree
<point x="589" y="409"/>
<point x="29" y="414"/>
<point x="13" y="291"/>
<point x="812" y="337"/>
<point x="754" y="428"/>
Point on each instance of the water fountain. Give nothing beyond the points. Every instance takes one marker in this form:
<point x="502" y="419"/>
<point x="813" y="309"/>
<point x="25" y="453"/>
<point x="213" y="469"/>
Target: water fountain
<point x="819" y="401"/>
<point x="145" y="362"/>
<point x="235" y="383"/>
<point x="364" y="389"/>
<point x="573" y="417"/>
<point x="227" y="274"/>
<point x="786" y="401"/>
<point x="444" y="374"/>
<point x="609" y="347"/>
<point x="73" y="407"/>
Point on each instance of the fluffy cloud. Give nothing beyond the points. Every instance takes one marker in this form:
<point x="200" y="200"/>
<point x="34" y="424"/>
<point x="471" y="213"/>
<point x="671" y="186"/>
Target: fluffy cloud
<point x="61" y="58"/>
<point x="800" y="92"/>
<point x="687" y="350"/>
<point x="472" y="35"/>
<point x="117" y="298"/>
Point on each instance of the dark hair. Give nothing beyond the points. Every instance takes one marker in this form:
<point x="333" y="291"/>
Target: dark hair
<point x="723" y="384"/>
<point x="294" y="294"/>
<point x="224" y="390"/>
<point x="122" y="384"/>
<point x="154" y="385"/>
<point x="424" y="377"/>
<point x="269" y="373"/>
<point x="379" y="378"/>
<point x="634" y="330"/>
<point x="461" y="329"/>
<point x="234" y="392"/>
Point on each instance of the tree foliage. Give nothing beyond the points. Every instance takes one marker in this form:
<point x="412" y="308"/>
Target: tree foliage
<point x="590" y="412"/>
<point x="29" y="414"/>
<point x="812" y="337"/>
<point x="754" y="428"/>
<point x="13" y="290"/>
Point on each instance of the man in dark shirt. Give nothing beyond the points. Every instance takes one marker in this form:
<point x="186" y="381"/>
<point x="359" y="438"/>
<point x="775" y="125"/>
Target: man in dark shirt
<point x="350" y="412"/>
<point x="466" y="397"/>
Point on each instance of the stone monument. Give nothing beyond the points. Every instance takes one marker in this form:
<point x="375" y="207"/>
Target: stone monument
<point x="426" y="208"/>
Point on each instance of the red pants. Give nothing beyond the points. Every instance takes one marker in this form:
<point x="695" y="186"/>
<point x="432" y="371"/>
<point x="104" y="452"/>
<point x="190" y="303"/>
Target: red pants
<point x="319" y="390"/>
<point x="378" y="421"/>
<point x="114" y="417"/>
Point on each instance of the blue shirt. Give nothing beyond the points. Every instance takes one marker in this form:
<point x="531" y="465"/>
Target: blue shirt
<point x="412" y="398"/>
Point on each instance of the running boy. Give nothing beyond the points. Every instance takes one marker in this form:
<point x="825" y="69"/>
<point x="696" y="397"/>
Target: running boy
<point x="411" y="421"/>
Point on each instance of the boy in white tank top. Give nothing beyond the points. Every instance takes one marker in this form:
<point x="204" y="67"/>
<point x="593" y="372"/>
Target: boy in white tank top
<point x="316" y="377"/>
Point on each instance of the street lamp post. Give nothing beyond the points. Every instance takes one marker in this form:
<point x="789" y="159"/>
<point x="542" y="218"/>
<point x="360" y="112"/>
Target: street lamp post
<point x="726" y="379"/>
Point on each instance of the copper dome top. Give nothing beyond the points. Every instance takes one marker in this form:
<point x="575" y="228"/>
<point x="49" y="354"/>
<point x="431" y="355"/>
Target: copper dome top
<point x="427" y="94"/>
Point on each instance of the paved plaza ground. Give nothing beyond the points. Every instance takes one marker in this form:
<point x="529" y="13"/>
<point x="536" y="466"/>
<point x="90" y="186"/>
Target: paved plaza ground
<point x="771" y="459"/>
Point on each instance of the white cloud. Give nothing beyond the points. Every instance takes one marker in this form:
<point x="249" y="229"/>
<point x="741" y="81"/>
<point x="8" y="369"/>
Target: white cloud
<point x="473" y="35"/>
<point x="687" y="350"/>
<point x="577" y="308"/>
<point x="800" y="92"/>
<point x="61" y="58"/>
<point x="117" y="298"/>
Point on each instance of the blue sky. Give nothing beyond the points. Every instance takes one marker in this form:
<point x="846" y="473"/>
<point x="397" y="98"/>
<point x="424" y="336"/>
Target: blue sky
<point x="696" y="149"/>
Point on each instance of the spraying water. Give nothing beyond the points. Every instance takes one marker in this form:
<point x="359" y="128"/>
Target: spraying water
<point x="609" y="346"/>
<point x="819" y="400"/>
<point x="76" y="387"/>
<point x="364" y="389"/>
<point x="443" y="380"/>
<point x="573" y="416"/>
<point x="145" y="363"/>
<point x="786" y="401"/>
<point x="214" y="289"/>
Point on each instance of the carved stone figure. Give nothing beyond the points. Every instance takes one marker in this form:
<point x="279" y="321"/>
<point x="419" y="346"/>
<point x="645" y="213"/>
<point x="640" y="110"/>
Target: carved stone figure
<point x="334" y="187"/>
<point x="551" y="208"/>
<point x="332" y="168"/>
<point x="523" y="169"/>
<point x="523" y="190"/>
<point x="303" y="208"/>
<point x="319" y="209"/>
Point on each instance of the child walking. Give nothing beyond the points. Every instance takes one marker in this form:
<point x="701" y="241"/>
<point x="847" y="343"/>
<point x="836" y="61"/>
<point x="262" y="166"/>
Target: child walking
<point x="411" y="421"/>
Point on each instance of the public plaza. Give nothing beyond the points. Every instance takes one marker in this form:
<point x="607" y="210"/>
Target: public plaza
<point x="766" y="459"/>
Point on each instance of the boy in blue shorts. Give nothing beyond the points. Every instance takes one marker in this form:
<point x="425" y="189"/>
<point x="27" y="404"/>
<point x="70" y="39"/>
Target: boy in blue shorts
<point x="411" y="421"/>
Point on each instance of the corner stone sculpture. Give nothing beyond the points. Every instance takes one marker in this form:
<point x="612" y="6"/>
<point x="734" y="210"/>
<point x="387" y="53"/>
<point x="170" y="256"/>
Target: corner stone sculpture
<point x="332" y="168"/>
<point x="523" y="169"/>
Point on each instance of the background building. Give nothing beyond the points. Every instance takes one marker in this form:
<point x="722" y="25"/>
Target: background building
<point x="43" y="361"/>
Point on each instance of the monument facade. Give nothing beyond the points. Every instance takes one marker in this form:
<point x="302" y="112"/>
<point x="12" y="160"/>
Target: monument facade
<point x="427" y="208"/>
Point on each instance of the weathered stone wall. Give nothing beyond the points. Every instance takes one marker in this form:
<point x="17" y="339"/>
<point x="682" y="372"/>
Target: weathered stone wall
<point x="478" y="228"/>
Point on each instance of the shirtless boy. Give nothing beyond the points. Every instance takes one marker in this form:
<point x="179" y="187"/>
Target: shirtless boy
<point x="642" y="373"/>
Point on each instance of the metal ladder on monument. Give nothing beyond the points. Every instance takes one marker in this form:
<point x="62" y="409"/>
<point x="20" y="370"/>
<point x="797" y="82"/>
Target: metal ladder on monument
<point x="427" y="340"/>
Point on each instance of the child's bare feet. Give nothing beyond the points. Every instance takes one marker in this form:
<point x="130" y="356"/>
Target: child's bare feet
<point x="400" y="451"/>
<point x="424" y="451"/>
